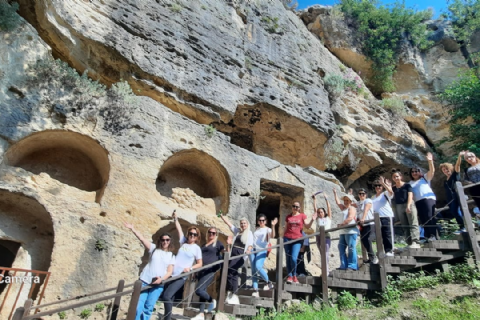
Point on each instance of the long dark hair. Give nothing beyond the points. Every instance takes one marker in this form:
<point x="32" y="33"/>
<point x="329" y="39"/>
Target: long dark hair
<point x="261" y="215"/>
<point x="170" y="244"/>
<point x="415" y="168"/>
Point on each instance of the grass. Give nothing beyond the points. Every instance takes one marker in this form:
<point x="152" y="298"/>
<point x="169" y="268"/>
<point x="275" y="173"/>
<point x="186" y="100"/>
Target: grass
<point x="302" y="311"/>
<point x="466" y="308"/>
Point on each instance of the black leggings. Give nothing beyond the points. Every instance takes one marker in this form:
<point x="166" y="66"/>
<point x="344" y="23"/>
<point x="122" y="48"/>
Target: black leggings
<point x="426" y="215"/>
<point x="366" y="241"/>
<point x="204" y="280"/>
<point x="233" y="266"/>
<point x="475" y="193"/>
<point x="171" y="289"/>
<point x="387" y="234"/>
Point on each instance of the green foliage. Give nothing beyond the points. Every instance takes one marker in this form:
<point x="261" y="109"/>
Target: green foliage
<point x="334" y="152"/>
<point x="464" y="97"/>
<point x="86" y="313"/>
<point x="99" y="307"/>
<point x="395" y="105"/>
<point x="62" y="315"/>
<point x="465" y="18"/>
<point x="449" y="227"/>
<point x="175" y="7"/>
<point x="391" y="294"/>
<point x="248" y="63"/>
<point x="124" y="92"/>
<point x="337" y="84"/>
<point x="466" y="308"/>
<point x="271" y="24"/>
<point x="210" y="131"/>
<point x="9" y="19"/>
<point x="101" y="245"/>
<point x="382" y="29"/>
<point x="301" y="311"/>
<point x="346" y="301"/>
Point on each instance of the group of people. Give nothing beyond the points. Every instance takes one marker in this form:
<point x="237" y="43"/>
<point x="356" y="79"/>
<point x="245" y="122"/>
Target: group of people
<point x="411" y="203"/>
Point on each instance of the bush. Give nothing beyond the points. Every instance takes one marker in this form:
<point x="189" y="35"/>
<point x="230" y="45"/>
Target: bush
<point x="99" y="307"/>
<point x="337" y="84"/>
<point x="9" y="19"/>
<point x="334" y="152"/>
<point x="85" y="314"/>
<point x="382" y="30"/>
<point x="347" y="301"/>
<point x="62" y="315"/>
<point x="271" y="24"/>
<point x="395" y="105"/>
<point x="301" y="311"/>
<point x="464" y="97"/>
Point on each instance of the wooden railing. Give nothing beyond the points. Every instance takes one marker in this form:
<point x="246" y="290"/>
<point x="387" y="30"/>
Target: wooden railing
<point x="24" y="313"/>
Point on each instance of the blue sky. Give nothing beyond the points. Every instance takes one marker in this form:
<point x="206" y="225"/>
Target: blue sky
<point x="438" y="5"/>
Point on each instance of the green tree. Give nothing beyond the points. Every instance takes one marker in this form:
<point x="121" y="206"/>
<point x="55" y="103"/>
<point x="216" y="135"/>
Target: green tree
<point x="382" y="29"/>
<point x="464" y="97"/>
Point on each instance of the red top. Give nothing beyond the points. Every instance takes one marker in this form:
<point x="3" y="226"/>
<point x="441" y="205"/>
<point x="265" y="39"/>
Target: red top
<point x="294" y="226"/>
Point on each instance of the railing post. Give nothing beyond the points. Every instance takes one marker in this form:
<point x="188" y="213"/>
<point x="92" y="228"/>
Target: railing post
<point x="116" y="301"/>
<point x="323" y="254"/>
<point x="18" y="315"/>
<point x="190" y="290"/>
<point x="279" y="280"/>
<point x="24" y="311"/>
<point x="132" y="308"/>
<point x="223" y="282"/>
<point x="380" y="251"/>
<point x="467" y="218"/>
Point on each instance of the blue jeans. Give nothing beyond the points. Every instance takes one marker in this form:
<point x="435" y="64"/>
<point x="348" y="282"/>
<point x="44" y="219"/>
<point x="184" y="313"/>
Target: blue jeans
<point x="256" y="262"/>
<point x="147" y="301"/>
<point x="291" y="251"/>
<point x="348" y="241"/>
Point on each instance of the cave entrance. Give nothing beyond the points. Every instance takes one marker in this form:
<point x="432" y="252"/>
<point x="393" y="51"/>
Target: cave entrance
<point x="8" y="252"/>
<point x="276" y="199"/>
<point x="270" y="206"/>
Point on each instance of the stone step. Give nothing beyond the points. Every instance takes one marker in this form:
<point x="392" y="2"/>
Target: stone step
<point x="261" y="293"/>
<point x="422" y="253"/>
<point x="351" y="284"/>
<point x="258" y="302"/>
<point x="240" y="310"/>
<point x="192" y="312"/>
<point x="300" y="287"/>
<point x="401" y="260"/>
<point x="359" y="275"/>
<point x="445" y="245"/>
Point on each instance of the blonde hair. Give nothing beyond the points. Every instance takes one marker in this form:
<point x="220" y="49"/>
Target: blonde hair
<point x="245" y="233"/>
<point x="199" y="235"/>
<point x="473" y="154"/>
<point x="216" y="236"/>
<point x="447" y="165"/>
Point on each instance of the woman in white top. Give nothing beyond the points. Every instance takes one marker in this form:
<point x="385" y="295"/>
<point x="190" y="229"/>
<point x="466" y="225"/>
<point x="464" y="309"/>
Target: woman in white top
<point x="348" y="236"/>
<point x="472" y="174"/>
<point x="189" y="257"/>
<point x="424" y="198"/>
<point x="365" y="212"/>
<point x="261" y="238"/>
<point x="323" y="218"/>
<point x="382" y="204"/>
<point x="159" y="268"/>
<point x="240" y="244"/>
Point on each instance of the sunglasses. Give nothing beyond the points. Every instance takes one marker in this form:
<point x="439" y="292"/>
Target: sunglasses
<point x="191" y="234"/>
<point x="296" y="207"/>
<point x="165" y="240"/>
<point x="377" y="185"/>
<point x="361" y="193"/>
<point x="212" y="232"/>
<point x="415" y="171"/>
<point x="261" y="220"/>
<point x="469" y="157"/>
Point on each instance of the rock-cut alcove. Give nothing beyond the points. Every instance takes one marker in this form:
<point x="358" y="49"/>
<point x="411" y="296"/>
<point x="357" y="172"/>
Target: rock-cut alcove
<point x="69" y="157"/>
<point x="26" y="231"/>
<point x="192" y="178"/>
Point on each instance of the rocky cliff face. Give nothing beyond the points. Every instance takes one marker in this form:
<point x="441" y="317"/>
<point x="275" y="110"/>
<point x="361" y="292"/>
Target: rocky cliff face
<point x="77" y="162"/>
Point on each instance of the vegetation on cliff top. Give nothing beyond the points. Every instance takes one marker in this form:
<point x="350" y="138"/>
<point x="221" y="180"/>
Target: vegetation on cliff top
<point x="382" y="29"/>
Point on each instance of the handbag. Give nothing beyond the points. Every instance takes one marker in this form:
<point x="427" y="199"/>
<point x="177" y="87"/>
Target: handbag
<point x="269" y="246"/>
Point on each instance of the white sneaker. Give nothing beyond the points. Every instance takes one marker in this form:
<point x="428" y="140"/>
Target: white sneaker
<point x="389" y="254"/>
<point x="211" y="306"/>
<point x="234" y="299"/>
<point x="431" y="239"/>
<point x="199" y="316"/>
<point x="255" y="294"/>
<point x="269" y="286"/>
<point x="375" y="260"/>
<point x="229" y="297"/>
<point x="414" y="246"/>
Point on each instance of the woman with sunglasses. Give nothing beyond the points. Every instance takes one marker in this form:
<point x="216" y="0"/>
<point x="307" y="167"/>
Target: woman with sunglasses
<point x="261" y="238"/>
<point x="294" y="223"/>
<point x="323" y="218"/>
<point x="348" y="236"/>
<point x="211" y="252"/>
<point x="424" y="198"/>
<point x="472" y="174"/>
<point x="453" y="175"/>
<point x="242" y="243"/>
<point x="406" y="211"/>
<point x="365" y="212"/>
<point x="382" y="204"/>
<point x="189" y="257"/>
<point x="159" y="268"/>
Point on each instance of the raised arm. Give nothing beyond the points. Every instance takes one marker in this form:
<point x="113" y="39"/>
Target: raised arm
<point x="178" y="226"/>
<point x="459" y="161"/>
<point x="329" y="208"/>
<point x="387" y="184"/>
<point x="431" y="167"/>
<point x="309" y="224"/>
<point x="227" y="222"/>
<point x="274" y="223"/>
<point x="145" y="243"/>
<point x="314" y="204"/>
<point x="337" y="200"/>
